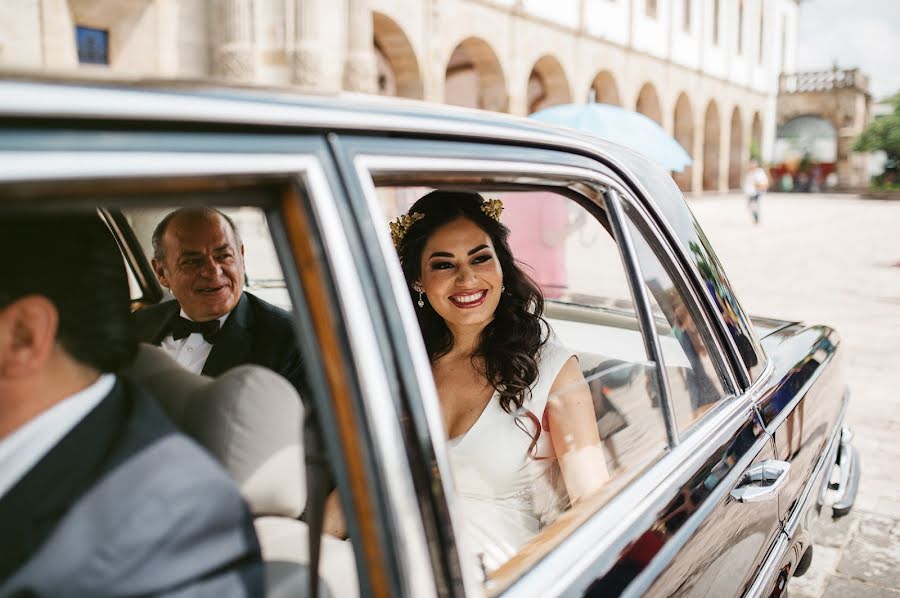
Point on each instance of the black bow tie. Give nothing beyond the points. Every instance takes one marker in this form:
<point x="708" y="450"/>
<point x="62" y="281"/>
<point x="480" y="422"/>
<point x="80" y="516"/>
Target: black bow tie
<point x="182" y="328"/>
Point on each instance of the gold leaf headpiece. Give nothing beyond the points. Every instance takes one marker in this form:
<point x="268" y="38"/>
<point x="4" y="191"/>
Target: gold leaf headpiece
<point x="401" y="225"/>
<point x="493" y="208"/>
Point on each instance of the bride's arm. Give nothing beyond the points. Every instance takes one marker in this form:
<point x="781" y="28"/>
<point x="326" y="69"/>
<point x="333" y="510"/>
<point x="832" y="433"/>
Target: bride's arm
<point x="574" y="433"/>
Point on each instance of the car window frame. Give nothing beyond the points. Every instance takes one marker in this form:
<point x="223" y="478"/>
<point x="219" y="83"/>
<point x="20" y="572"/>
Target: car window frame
<point x="664" y="253"/>
<point x="580" y="556"/>
<point x="388" y="561"/>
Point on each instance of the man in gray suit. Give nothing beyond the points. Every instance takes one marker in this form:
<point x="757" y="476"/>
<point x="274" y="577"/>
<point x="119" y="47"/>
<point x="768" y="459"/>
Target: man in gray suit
<point x="99" y="494"/>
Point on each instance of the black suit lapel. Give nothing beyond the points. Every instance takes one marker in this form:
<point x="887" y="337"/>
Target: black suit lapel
<point x="233" y="345"/>
<point x="153" y="330"/>
<point x="31" y="509"/>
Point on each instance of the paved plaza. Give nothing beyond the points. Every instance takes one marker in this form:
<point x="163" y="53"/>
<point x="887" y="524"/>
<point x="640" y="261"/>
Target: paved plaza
<point x="833" y="259"/>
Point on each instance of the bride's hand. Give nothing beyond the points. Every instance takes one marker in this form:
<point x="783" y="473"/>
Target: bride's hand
<point x="333" y="521"/>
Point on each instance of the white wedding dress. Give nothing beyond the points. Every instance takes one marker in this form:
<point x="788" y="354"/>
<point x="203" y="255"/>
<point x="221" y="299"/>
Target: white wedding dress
<point x="504" y="494"/>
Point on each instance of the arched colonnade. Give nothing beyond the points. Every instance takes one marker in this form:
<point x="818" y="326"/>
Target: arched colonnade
<point x="719" y="138"/>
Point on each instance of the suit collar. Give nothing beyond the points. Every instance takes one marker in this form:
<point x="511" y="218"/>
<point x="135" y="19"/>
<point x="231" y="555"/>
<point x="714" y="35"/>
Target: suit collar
<point x="234" y="342"/>
<point x="171" y="309"/>
<point x="31" y="509"/>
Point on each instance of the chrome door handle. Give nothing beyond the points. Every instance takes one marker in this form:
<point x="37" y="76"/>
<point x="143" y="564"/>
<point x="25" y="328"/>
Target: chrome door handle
<point x="762" y="481"/>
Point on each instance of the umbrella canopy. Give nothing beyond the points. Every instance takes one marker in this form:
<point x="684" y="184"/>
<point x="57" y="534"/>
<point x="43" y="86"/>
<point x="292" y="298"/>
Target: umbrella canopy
<point x="625" y="127"/>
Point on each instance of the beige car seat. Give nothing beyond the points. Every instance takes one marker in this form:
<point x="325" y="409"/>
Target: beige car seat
<point x="251" y="420"/>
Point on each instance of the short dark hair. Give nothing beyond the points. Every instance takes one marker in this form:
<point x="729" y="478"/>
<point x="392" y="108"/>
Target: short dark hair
<point x="159" y="252"/>
<point x="72" y="260"/>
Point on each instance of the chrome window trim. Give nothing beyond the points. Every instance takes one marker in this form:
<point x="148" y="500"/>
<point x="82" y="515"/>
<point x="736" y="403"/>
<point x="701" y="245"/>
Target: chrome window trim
<point x="409" y="534"/>
<point x="635" y="276"/>
<point x="683" y="284"/>
<point x="421" y="367"/>
<point x="41" y="99"/>
<point x="408" y="531"/>
<point x="581" y="552"/>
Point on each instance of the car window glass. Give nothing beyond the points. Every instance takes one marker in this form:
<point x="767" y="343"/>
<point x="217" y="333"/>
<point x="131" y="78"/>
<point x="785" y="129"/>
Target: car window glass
<point x="575" y="260"/>
<point x="696" y="383"/>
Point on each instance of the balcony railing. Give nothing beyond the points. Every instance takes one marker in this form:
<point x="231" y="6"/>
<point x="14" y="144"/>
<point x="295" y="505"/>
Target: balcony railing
<point x="823" y="81"/>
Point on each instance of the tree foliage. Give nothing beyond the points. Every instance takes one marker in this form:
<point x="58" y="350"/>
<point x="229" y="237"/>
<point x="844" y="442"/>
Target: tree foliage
<point x="883" y="133"/>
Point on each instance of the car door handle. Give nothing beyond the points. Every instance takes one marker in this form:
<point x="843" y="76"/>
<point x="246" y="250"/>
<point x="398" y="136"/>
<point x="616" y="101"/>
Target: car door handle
<point x="762" y="481"/>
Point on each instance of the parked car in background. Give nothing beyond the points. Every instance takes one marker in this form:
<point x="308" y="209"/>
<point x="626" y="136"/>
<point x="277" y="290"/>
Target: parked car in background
<point x="722" y="431"/>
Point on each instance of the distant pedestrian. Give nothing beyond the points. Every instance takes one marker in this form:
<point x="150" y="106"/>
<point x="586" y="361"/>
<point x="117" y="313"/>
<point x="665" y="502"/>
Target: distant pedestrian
<point x="756" y="182"/>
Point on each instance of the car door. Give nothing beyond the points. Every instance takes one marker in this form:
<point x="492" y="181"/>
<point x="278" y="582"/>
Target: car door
<point x="289" y="184"/>
<point x="726" y="503"/>
<point x="669" y="529"/>
<point x="803" y="409"/>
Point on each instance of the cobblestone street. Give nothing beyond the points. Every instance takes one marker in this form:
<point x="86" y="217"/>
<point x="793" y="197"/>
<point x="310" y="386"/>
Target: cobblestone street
<point x="833" y="259"/>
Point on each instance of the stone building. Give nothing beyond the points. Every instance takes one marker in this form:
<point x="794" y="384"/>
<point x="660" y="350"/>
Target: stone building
<point x="821" y="113"/>
<point x="706" y="70"/>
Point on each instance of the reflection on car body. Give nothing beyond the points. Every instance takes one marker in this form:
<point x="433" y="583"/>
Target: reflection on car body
<point x="721" y="431"/>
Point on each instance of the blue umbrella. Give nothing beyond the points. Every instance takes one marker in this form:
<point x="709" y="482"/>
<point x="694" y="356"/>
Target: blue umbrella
<point x="625" y="127"/>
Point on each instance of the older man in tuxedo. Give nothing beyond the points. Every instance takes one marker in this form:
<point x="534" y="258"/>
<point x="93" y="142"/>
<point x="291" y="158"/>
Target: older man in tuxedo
<point x="213" y="324"/>
<point x="99" y="494"/>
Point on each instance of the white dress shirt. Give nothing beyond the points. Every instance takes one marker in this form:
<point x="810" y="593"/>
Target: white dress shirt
<point x="191" y="351"/>
<point x="21" y="450"/>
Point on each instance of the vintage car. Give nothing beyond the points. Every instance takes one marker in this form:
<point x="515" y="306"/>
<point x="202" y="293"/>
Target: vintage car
<point x="723" y="433"/>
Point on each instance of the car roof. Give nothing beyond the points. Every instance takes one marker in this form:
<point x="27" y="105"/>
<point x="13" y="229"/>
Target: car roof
<point x="211" y="102"/>
<point x="110" y="98"/>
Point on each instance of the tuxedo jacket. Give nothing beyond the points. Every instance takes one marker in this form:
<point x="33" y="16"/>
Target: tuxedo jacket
<point x="255" y="332"/>
<point x="124" y="505"/>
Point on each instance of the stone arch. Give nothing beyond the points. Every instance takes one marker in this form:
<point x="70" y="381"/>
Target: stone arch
<point x="684" y="134"/>
<point x="398" y="71"/>
<point x="756" y="132"/>
<point x="808" y="138"/>
<point x="474" y="77"/>
<point x="711" y="136"/>
<point x="648" y="103"/>
<point x="547" y="84"/>
<point x="605" y="89"/>
<point x="736" y="150"/>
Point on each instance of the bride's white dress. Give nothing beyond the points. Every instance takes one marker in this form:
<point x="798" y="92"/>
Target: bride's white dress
<point x="504" y="494"/>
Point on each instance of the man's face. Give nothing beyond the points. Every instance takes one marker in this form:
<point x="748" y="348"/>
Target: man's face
<point x="203" y="266"/>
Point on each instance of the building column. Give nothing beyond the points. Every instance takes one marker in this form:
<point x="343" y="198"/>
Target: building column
<point x="58" y="46"/>
<point x="698" y="156"/>
<point x="234" y="54"/>
<point x="724" y="154"/>
<point x="359" y="69"/>
<point x="307" y="66"/>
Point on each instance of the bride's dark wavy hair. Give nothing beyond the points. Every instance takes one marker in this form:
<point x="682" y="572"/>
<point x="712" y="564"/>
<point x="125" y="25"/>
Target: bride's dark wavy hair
<point x="510" y="343"/>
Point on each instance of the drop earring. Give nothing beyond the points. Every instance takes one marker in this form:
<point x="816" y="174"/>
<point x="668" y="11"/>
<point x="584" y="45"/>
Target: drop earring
<point x="503" y="288"/>
<point x="417" y="287"/>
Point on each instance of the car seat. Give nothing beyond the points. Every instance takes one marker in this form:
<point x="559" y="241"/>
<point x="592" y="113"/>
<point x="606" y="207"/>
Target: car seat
<point x="251" y="420"/>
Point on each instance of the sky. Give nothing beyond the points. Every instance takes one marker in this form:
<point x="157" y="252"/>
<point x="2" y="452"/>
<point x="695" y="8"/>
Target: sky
<point x="854" y="33"/>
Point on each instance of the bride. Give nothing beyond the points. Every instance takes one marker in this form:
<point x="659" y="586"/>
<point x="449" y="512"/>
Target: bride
<point x="514" y="400"/>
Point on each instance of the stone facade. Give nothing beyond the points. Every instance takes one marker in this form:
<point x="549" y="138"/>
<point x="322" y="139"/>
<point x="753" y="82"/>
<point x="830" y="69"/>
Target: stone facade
<point x="842" y="98"/>
<point x="706" y="70"/>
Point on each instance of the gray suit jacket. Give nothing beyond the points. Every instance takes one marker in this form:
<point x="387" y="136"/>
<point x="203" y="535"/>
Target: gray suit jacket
<point x="125" y="505"/>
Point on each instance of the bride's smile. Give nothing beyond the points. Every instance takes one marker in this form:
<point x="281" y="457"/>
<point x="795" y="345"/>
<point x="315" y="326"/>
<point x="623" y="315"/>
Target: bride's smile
<point x="461" y="275"/>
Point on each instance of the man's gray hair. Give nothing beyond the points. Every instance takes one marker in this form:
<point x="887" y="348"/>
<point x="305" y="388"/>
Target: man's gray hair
<point x="159" y="251"/>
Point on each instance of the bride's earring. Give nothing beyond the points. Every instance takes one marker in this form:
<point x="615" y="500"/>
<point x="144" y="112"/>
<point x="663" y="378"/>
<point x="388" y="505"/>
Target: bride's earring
<point x="420" y="302"/>
<point x="503" y="288"/>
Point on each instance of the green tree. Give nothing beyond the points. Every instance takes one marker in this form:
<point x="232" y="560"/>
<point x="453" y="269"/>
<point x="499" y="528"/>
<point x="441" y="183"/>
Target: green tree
<point x="883" y="133"/>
